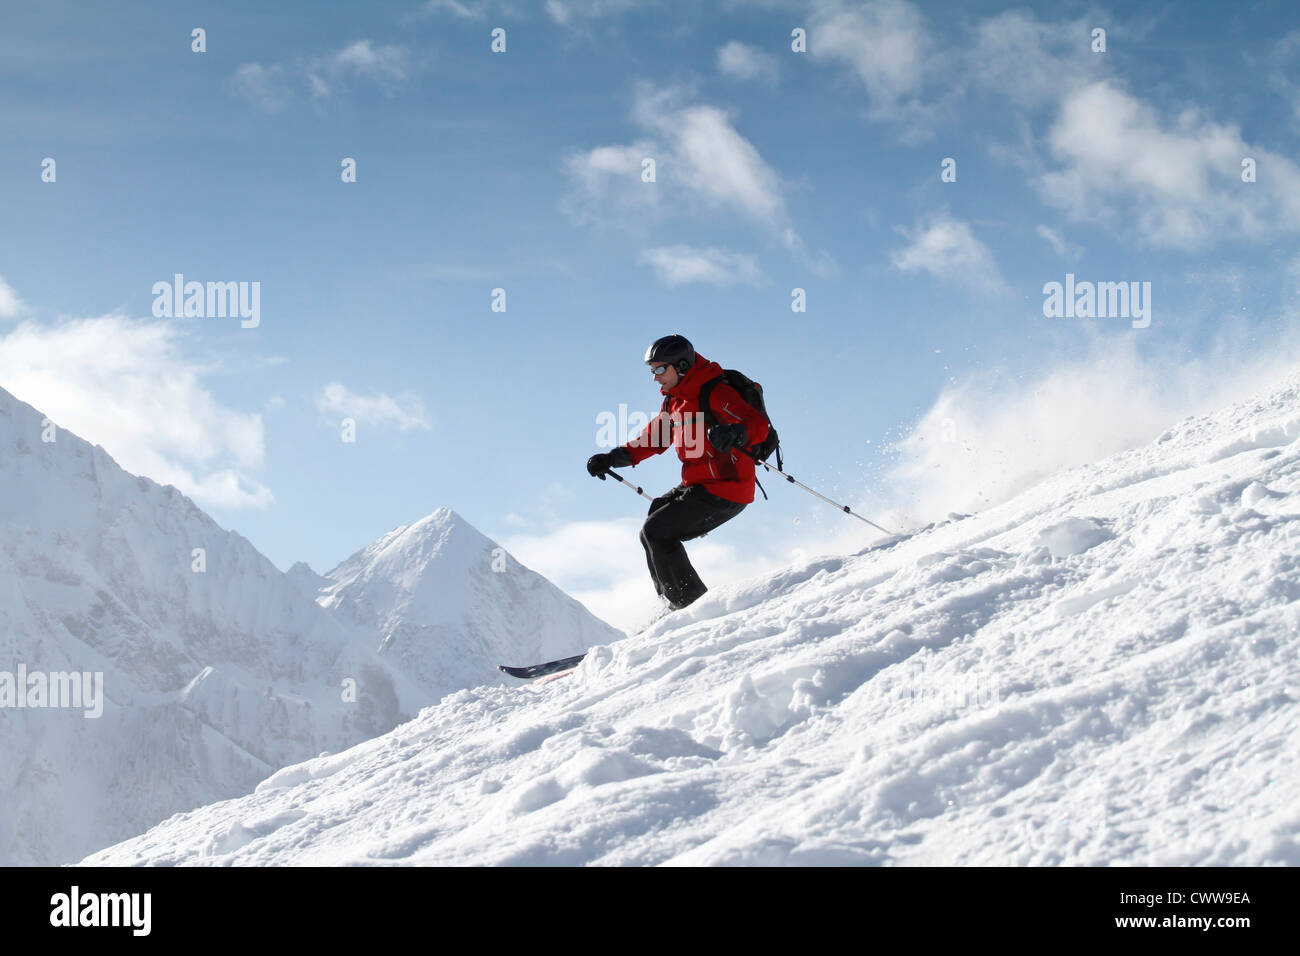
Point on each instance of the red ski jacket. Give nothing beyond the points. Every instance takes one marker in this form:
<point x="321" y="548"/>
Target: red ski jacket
<point x="680" y="424"/>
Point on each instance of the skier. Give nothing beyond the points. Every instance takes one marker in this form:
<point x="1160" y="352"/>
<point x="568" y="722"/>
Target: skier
<point x="717" y="476"/>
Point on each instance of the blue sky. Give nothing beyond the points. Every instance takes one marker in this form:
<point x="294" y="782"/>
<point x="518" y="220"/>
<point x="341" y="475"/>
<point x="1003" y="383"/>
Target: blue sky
<point x="923" y="377"/>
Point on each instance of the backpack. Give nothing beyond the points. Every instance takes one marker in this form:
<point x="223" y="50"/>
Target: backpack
<point x="751" y="393"/>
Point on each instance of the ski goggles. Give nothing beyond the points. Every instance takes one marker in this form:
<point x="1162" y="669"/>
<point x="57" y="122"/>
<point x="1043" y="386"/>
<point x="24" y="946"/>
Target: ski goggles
<point x="659" y="369"/>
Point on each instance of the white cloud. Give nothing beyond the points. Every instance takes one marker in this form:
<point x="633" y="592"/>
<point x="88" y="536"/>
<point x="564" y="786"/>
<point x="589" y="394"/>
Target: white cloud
<point x="1110" y="157"/>
<point x="317" y="78"/>
<point x="702" y="164"/>
<point x="468" y="11"/>
<point x="746" y="62"/>
<point x="681" y="264"/>
<point x="598" y="562"/>
<point x="1033" y="64"/>
<point x="993" y="436"/>
<point x="1058" y="242"/>
<point x="266" y="86"/>
<point x="571" y="11"/>
<point x="1282" y="62"/>
<point x="606" y="183"/>
<point x="602" y="564"/>
<point x="713" y="160"/>
<point x="884" y="43"/>
<point x="125" y="385"/>
<point x="1178" y="185"/>
<point x="1115" y="160"/>
<point x="948" y="250"/>
<point x="10" y="306"/>
<point x="404" y="412"/>
<point x="384" y="64"/>
<point x="913" y="80"/>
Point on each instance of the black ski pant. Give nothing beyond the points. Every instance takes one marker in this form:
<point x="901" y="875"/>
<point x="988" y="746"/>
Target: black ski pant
<point x="680" y="515"/>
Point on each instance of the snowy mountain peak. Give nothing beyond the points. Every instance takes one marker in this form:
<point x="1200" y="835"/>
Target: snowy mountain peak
<point x="440" y="581"/>
<point x="307" y="580"/>
<point x="442" y="535"/>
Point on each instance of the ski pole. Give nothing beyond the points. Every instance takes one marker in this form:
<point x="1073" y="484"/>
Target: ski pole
<point x="635" y="488"/>
<point x="794" y="481"/>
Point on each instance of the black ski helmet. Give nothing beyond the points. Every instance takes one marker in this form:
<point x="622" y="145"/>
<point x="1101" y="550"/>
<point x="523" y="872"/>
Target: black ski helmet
<point x="671" y="350"/>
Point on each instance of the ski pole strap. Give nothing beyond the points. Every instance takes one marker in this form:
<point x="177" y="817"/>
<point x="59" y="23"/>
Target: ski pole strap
<point x="790" y="478"/>
<point x="635" y="488"/>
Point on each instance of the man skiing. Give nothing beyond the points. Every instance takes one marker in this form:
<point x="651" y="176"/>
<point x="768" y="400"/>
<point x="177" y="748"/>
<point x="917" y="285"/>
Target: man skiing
<point x="717" y="475"/>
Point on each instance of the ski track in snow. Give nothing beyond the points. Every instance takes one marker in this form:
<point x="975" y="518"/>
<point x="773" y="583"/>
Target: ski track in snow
<point x="1101" y="671"/>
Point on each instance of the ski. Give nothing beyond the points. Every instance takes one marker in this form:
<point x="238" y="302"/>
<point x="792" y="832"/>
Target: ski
<point x="541" y="670"/>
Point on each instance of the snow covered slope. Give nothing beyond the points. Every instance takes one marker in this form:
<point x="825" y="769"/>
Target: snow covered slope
<point x="217" y="667"/>
<point x="1102" y="670"/>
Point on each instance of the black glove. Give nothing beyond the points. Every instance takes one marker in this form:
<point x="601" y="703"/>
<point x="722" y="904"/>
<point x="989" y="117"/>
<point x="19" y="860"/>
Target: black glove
<point x="599" y="465"/>
<point x="725" y="437"/>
